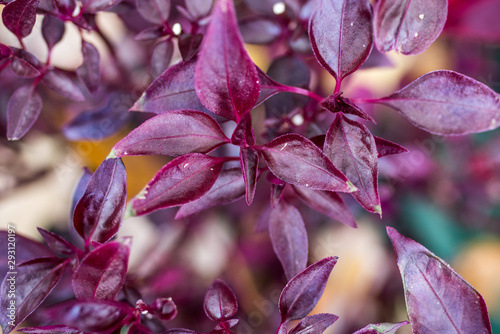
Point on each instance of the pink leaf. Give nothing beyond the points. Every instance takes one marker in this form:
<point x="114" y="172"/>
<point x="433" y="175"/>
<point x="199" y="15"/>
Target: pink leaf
<point x="101" y="274"/>
<point x="289" y="238"/>
<point x="89" y="72"/>
<point x="447" y="103"/>
<point x="22" y="111"/>
<point x="173" y="133"/>
<point x="303" y="292"/>
<point x="182" y="180"/>
<point x="99" y="213"/>
<point x="226" y="80"/>
<point x="155" y="11"/>
<point x="296" y="160"/>
<point x="341" y="35"/>
<point x="220" y="302"/>
<point x="408" y="26"/>
<point x="437" y="298"/>
<point x="386" y="147"/>
<point x="383" y="328"/>
<point x="351" y="146"/>
<point x="19" y="16"/>
<point x="314" y="324"/>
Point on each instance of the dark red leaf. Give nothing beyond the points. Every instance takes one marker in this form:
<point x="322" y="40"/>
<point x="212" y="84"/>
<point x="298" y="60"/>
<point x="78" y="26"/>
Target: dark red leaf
<point x="338" y="103"/>
<point x="22" y="111"/>
<point x="56" y="329"/>
<point x="220" y="302"/>
<point x="19" y="16"/>
<point x="437" y="298"/>
<point x="150" y="33"/>
<point x="66" y="7"/>
<point x="268" y="87"/>
<point x="408" y="26"/>
<point x="199" y="8"/>
<point x="189" y="45"/>
<point x="161" y="56"/>
<point x="162" y="308"/>
<point x="289" y="238"/>
<point x="180" y="331"/>
<point x="57" y="243"/>
<point x="249" y="159"/>
<point x="94" y="6"/>
<point x="447" y="103"/>
<point x="23" y="68"/>
<point x="155" y="11"/>
<point x="296" y="160"/>
<point x="228" y="188"/>
<point x="314" y="324"/>
<point x="89" y="72"/>
<point x="80" y="189"/>
<point x="173" y="89"/>
<point x="383" y="328"/>
<point x="173" y="133"/>
<point x="351" y="146"/>
<point x="101" y="273"/>
<point x="99" y="212"/>
<point x="301" y="294"/>
<point x="52" y="30"/>
<point x="226" y="80"/>
<point x="243" y="135"/>
<point x="62" y="84"/>
<point x="182" y="180"/>
<point x="26" y="287"/>
<point x="386" y="147"/>
<point x="341" y="35"/>
<point x="260" y="30"/>
<point x="328" y="203"/>
<point x="276" y="194"/>
<point x="137" y="328"/>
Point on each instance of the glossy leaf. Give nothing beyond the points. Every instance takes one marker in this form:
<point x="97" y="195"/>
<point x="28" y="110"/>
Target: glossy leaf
<point x="249" y="159"/>
<point x="226" y="80"/>
<point x="155" y="11"/>
<point x="62" y="84"/>
<point x="55" y="329"/>
<point x="303" y="292"/>
<point x="23" y="109"/>
<point x="89" y="72"/>
<point x="94" y="6"/>
<point x="182" y="180"/>
<point x="99" y="212"/>
<point x="161" y="56"/>
<point x="408" y="26"/>
<point x="447" y="103"/>
<point x="260" y="30"/>
<point x="162" y="308"/>
<point x="220" y="302"/>
<point x="19" y="16"/>
<point x="33" y="281"/>
<point x="229" y="187"/>
<point x="296" y="160"/>
<point x="328" y="203"/>
<point x="199" y="8"/>
<point x="101" y="273"/>
<point x="173" y="133"/>
<point x="437" y="298"/>
<point x="351" y="146"/>
<point x="341" y="35"/>
<point x="386" y="147"/>
<point x="52" y="30"/>
<point x="289" y="238"/>
<point x="314" y="324"/>
<point x="383" y="328"/>
<point x="173" y="89"/>
<point x="57" y="243"/>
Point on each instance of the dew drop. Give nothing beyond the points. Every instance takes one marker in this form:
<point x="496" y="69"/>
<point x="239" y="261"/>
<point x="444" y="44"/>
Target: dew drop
<point x="364" y="45"/>
<point x="307" y="185"/>
<point x="421" y="16"/>
<point x="352" y="23"/>
<point x="298" y="120"/>
<point x="177" y="28"/>
<point x="416" y="34"/>
<point x="279" y="8"/>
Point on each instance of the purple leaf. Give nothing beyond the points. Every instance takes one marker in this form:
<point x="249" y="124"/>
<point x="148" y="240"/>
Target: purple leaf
<point x="289" y="238"/>
<point x="173" y="133"/>
<point x="180" y="331"/>
<point x="182" y="180"/>
<point x="383" y="328"/>
<point x="268" y="87"/>
<point x="341" y="35"/>
<point x="260" y="30"/>
<point x="33" y="280"/>
<point x="338" y="103"/>
<point x="22" y="111"/>
<point x="94" y="6"/>
<point x="62" y="84"/>
<point x="19" y="16"/>
<point x="447" y="103"/>
<point x="89" y="72"/>
<point x="56" y="329"/>
<point x="437" y="298"/>
<point x="162" y="308"/>
<point x="314" y="324"/>
<point x="199" y="8"/>
<point x="301" y="294"/>
<point x="220" y="302"/>
<point x="65" y="7"/>
<point x="408" y="26"/>
<point x="23" y="68"/>
<point x="386" y="147"/>
<point x="243" y="135"/>
<point x="226" y="80"/>
<point x="351" y="146"/>
<point x="296" y="160"/>
<point x="155" y="11"/>
<point x="276" y="194"/>
<point x="150" y="33"/>
<point x="224" y="325"/>
<point x="328" y="203"/>
<point x="161" y="56"/>
<point x="57" y="243"/>
<point x="101" y="273"/>
<point x="137" y="328"/>
<point x="173" y="89"/>
<point x="99" y="212"/>
<point x="249" y="159"/>
<point x="189" y="45"/>
<point x="228" y="188"/>
<point x="282" y="329"/>
<point x="52" y="30"/>
<point x="80" y="189"/>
